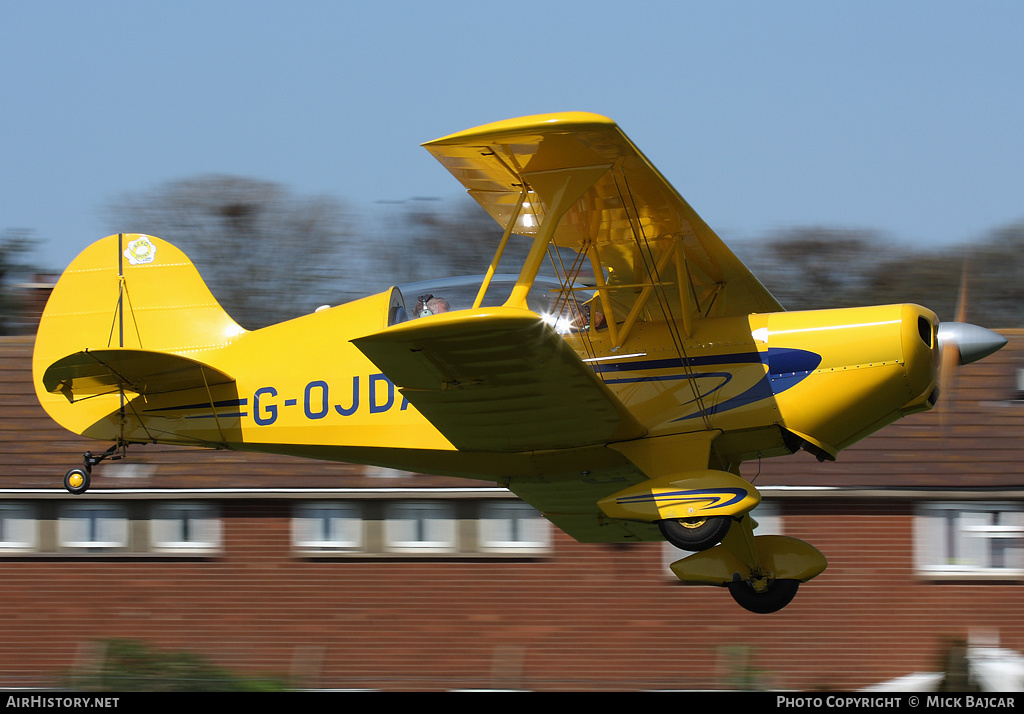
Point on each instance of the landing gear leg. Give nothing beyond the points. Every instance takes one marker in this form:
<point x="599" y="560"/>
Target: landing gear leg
<point x="761" y="592"/>
<point x="77" y="480"/>
<point x="762" y="573"/>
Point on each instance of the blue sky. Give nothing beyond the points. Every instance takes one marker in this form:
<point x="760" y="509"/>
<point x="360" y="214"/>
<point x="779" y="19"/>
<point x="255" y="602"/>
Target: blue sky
<point x="902" y="117"/>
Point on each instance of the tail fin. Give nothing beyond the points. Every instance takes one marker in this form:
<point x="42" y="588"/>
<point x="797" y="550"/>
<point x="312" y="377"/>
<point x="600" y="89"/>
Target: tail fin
<point x="131" y="314"/>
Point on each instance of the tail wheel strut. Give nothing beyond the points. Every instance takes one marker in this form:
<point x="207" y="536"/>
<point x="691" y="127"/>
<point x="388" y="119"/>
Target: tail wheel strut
<point x="77" y="480"/>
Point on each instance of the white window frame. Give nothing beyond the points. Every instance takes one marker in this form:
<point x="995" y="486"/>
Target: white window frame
<point x="970" y="539"/>
<point x="19" y="528"/>
<point x="328" y="526"/>
<point x="421" y="527"/>
<point x="105" y="524"/>
<point x="507" y="526"/>
<point x="185" y="527"/>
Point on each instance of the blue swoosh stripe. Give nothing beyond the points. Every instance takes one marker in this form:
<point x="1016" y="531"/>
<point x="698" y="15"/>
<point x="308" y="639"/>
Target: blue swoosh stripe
<point x="704" y="494"/>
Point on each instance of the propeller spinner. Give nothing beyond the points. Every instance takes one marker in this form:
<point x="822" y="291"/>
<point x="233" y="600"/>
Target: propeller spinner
<point x="970" y="342"/>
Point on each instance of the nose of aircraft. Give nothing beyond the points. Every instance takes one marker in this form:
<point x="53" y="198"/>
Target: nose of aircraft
<point x="970" y="341"/>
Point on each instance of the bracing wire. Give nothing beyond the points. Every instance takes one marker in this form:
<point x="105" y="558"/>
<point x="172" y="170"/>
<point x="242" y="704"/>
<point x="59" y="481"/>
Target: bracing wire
<point x="651" y="266"/>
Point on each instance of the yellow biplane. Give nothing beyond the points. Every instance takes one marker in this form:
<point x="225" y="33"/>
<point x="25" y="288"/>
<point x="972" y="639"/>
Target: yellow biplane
<point x="616" y="383"/>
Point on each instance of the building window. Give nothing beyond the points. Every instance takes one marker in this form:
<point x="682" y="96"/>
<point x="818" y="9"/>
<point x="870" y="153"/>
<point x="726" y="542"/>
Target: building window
<point x="93" y="526"/>
<point x="185" y="527"/>
<point x="970" y="540"/>
<point x="420" y="526"/>
<point x="19" y="530"/>
<point x="327" y="527"/>
<point x="512" y="527"/>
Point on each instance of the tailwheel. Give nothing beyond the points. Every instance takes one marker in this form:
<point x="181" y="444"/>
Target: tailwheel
<point x="695" y="533"/>
<point x="772" y="596"/>
<point x="76" y="480"/>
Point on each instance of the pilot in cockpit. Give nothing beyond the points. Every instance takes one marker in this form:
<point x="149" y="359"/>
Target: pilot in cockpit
<point x="430" y="305"/>
<point x="583" y="317"/>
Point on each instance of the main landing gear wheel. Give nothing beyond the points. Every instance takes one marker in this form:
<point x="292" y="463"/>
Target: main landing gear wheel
<point x="76" y="481"/>
<point x="776" y="596"/>
<point x="695" y="533"/>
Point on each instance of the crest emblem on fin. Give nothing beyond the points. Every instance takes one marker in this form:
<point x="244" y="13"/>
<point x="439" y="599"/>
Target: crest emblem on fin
<point x="140" y="251"/>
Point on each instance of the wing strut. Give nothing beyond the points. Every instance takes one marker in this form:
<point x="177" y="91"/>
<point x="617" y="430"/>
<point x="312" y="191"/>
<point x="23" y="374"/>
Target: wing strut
<point x="558" y="190"/>
<point x="501" y="249"/>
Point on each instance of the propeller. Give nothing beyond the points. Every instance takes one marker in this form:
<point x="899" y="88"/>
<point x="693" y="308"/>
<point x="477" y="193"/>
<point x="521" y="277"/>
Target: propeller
<point x="961" y="343"/>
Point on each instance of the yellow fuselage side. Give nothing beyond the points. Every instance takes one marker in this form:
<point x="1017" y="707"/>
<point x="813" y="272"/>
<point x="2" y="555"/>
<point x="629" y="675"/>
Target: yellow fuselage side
<point x="830" y="377"/>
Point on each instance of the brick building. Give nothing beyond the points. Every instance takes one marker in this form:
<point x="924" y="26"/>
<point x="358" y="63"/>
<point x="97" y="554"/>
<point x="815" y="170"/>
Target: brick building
<point x="338" y="576"/>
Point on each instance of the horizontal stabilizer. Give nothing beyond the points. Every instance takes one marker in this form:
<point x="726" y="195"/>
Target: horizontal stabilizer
<point x="105" y="371"/>
<point x="499" y="379"/>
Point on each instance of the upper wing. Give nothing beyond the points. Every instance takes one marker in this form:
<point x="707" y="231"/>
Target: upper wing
<point x="499" y="379"/>
<point x="628" y="208"/>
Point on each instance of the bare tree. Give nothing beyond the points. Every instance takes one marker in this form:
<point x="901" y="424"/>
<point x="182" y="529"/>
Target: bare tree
<point x="429" y="238"/>
<point x="811" y="268"/>
<point x="995" y="277"/>
<point x="266" y="254"/>
<point x="15" y="245"/>
<point x="816" y="267"/>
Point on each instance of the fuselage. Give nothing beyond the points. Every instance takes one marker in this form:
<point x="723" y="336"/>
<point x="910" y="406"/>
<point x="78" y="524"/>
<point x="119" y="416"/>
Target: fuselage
<point x="822" y="378"/>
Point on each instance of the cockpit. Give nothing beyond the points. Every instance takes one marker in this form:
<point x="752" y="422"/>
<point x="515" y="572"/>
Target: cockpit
<point x="567" y="310"/>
